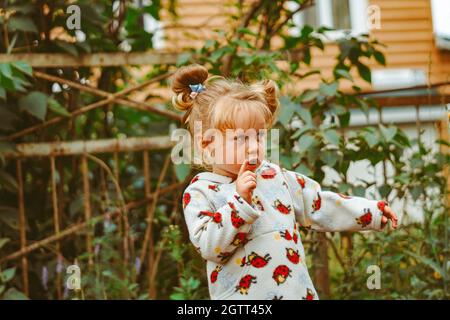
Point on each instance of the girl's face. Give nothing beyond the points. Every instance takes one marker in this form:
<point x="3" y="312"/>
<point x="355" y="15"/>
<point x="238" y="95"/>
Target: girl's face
<point x="246" y="142"/>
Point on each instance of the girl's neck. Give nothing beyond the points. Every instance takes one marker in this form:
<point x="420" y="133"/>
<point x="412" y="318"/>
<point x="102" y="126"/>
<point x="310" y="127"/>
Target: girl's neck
<point x="224" y="172"/>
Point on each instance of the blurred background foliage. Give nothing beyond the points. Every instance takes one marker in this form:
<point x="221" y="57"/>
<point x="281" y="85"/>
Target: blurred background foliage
<point x="314" y="133"/>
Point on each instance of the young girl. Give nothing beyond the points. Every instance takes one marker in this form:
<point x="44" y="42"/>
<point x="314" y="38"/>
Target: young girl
<point x="243" y="216"/>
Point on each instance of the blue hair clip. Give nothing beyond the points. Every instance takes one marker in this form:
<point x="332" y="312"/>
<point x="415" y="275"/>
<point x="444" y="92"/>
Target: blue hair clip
<point x="196" y="89"/>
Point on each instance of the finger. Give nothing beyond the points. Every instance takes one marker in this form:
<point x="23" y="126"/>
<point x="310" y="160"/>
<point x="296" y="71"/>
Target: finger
<point x="250" y="185"/>
<point x="389" y="214"/>
<point x="383" y="221"/>
<point x="248" y="174"/>
<point x="243" y="167"/>
<point x="249" y="178"/>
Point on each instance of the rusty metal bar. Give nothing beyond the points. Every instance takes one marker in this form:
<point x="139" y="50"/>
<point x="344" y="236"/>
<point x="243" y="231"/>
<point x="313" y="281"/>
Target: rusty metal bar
<point x="45" y="149"/>
<point x="80" y="226"/>
<point x="22" y="226"/>
<point x="56" y="60"/>
<point x="147" y="180"/>
<point x="87" y="205"/>
<point x="56" y="221"/>
<point x="140" y="105"/>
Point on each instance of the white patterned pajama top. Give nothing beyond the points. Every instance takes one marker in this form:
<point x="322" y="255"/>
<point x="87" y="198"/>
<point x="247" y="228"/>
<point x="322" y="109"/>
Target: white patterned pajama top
<point x="255" y="251"/>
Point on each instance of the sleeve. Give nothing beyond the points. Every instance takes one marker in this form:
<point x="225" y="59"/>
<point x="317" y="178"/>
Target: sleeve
<point x="330" y="211"/>
<point x="216" y="234"/>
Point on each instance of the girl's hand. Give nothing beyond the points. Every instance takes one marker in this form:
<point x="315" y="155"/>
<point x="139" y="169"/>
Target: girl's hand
<point x="388" y="214"/>
<point x="246" y="181"/>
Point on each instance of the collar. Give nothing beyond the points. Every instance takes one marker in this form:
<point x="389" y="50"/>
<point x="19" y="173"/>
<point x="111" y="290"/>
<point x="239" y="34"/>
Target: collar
<point x="215" y="177"/>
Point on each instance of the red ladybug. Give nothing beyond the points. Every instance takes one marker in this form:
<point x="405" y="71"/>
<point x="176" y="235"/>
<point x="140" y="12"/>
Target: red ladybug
<point x="215" y="273"/>
<point x="309" y="295"/>
<point x="240" y="238"/>
<point x="343" y="196"/>
<point x="217" y="216"/>
<point x="281" y="273"/>
<point x="382" y="205"/>
<point x="301" y="181"/>
<point x="186" y="199"/>
<point x="268" y="173"/>
<point x="317" y="203"/>
<point x="256" y="260"/>
<point x="236" y="220"/>
<point x="258" y="203"/>
<point x="245" y="283"/>
<point x="292" y="255"/>
<point x="194" y="179"/>
<point x="365" y="219"/>
<point x="214" y="187"/>
<point x="286" y="234"/>
<point x="281" y="207"/>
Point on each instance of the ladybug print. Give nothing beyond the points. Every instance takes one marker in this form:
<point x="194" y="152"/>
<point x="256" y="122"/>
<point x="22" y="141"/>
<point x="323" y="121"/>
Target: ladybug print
<point x="236" y="220"/>
<point x="215" y="273"/>
<point x="214" y="187"/>
<point x="287" y="235"/>
<point x="365" y="219"/>
<point x="256" y="260"/>
<point x="300" y="181"/>
<point x="258" y="203"/>
<point x="186" y="199"/>
<point x="217" y="217"/>
<point x="317" y="203"/>
<point x="277" y="298"/>
<point x="245" y="283"/>
<point x="309" y="295"/>
<point x="268" y="173"/>
<point x="281" y="207"/>
<point x="223" y="256"/>
<point x="281" y="273"/>
<point x="382" y="205"/>
<point x="240" y="239"/>
<point x="239" y="199"/>
<point x="194" y="179"/>
<point x="293" y="255"/>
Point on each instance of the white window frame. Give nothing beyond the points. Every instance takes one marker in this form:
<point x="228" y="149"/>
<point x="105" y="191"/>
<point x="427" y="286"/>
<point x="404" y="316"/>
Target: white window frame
<point x="358" y="19"/>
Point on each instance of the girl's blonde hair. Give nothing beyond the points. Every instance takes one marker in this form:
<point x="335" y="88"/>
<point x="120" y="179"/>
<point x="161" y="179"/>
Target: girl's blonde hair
<point x="222" y="100"/>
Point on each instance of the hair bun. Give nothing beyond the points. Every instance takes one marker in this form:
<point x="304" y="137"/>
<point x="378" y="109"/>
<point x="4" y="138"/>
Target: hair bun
<point x="270" y="90"/>
<point x="183" y="77"/>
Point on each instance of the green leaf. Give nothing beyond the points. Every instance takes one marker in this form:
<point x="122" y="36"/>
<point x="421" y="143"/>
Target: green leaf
<point x="371" y="138"/>
<point x="328" y="90"/>
<point x="432" y="264"/>
<point x="306" y="141"/>
<point x="8" y="182"/>
<point x="287" y="110"/>
<point x="35" y="103"/>
<point x="344" y="74"/>
<point x="183" y="58"/>
<point x="8" y="274"/>
<point x="379" y="57"/>
<point x="56" y="107"/>
<point x="182" y="170"/>
<point x="22" y="24"/>
<point x="23" y="67"/>
<point x="332" y="137"/>
<point x="388" y="133"/>
<point x="5" y="70"/>
<point x="309" y="95"/>
<point x="3" y="241"/>
<point x="14" y="294"/>
<point x="364" y="72"/>
<point x="2" y="93"/>
<point x="329" y="157"/>
<point x="305" y="115"/>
